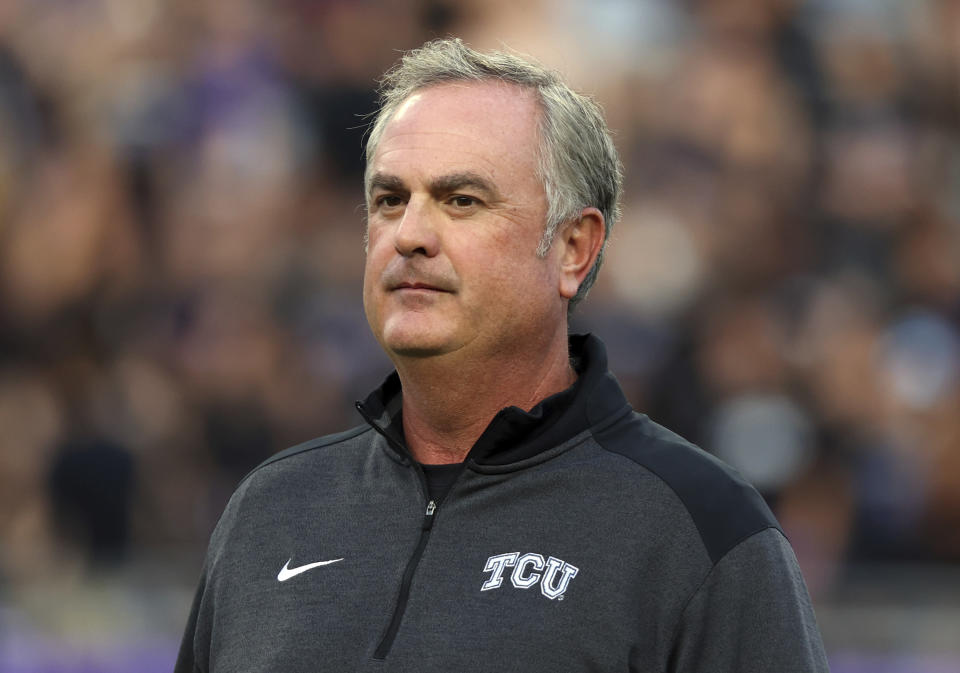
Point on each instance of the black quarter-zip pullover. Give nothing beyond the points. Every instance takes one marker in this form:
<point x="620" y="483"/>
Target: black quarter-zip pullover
<point x="579" y="536"/>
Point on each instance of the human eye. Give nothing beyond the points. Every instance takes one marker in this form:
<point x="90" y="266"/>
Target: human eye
<point x="463" y="202"/>
<point x="388" y="202"/>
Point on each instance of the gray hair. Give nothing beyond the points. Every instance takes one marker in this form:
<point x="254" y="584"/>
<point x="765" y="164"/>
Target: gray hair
<point x="578" y="163"/>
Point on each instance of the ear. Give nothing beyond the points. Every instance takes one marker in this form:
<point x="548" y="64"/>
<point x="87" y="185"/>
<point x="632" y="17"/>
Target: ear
<point x="578" y="242"/>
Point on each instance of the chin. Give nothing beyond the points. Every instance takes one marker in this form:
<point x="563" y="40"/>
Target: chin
<point x="415" y="352"/>
<point x="415" y="343"/>
<point x="415" y="348"/>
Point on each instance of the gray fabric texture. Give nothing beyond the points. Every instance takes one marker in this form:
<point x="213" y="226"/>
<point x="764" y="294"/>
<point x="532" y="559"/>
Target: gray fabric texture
<point x="638" y="581"/>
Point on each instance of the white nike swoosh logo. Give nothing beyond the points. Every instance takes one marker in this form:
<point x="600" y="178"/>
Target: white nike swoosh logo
<point x="286" y="572"/>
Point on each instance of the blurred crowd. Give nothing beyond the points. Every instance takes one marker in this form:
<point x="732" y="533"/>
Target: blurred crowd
<point x="181" y="223"/>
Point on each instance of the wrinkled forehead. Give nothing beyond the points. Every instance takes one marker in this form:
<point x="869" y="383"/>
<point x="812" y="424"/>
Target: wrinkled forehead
<point x="496" y="110"/>
<point x="488" y="126"/>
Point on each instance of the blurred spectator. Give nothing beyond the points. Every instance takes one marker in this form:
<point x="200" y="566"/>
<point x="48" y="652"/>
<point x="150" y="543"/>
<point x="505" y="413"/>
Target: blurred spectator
<point x="91" y="485"/>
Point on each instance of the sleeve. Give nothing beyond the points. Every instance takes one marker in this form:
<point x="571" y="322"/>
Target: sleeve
<point x="193" y="635"/>
<point x="752" y="614"/>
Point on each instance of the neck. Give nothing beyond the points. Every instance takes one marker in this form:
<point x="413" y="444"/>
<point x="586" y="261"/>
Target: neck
<point x="448" y="403"/>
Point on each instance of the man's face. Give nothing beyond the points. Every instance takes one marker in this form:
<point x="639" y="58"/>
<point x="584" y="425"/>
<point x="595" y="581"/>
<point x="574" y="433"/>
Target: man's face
<point x="456" y="211"/>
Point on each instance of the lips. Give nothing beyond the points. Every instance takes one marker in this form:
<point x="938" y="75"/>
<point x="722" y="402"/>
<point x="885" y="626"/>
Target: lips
<point x="402" y="275"/>
<point x="419" y="286"/>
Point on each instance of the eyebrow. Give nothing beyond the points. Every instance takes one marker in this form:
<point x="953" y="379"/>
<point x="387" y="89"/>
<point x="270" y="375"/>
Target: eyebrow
<point x="445" y="184"/>
<point x="438" y="186"/>
<point x="387" y="183"/>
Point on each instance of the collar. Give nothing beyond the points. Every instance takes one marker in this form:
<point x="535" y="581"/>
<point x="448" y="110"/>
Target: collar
<point x="514" y="434"/>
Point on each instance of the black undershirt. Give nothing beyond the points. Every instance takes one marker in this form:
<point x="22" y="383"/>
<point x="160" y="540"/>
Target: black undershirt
<point x="440" y="478"/>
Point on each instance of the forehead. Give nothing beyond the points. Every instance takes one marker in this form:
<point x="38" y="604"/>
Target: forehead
<point x="491" y="127"/>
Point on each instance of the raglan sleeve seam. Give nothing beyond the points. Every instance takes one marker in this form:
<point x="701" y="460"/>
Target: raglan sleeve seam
<point x="706" y="579"/>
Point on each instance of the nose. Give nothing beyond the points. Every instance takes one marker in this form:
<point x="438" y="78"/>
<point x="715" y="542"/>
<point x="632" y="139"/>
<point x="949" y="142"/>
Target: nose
<point x="417" y="234"/>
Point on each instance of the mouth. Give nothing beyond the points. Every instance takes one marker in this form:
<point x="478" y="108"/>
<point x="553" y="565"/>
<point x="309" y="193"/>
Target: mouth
<point x="419" y="286"/>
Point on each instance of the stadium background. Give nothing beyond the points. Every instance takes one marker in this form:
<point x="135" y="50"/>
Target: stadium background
<point x="180" y="255"/>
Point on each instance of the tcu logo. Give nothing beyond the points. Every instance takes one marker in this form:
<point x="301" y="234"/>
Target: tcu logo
<point x="553" y="575"/>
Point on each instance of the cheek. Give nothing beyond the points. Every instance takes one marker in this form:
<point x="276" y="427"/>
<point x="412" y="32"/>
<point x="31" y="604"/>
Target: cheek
<point x="370" y="303"/>
<point x="378" y="253"/>
<point x="512" y="278"/>
<point x="372" y="271"/>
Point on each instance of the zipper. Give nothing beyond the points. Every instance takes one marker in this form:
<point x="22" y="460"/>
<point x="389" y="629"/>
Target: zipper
<point x="383" y="649"/>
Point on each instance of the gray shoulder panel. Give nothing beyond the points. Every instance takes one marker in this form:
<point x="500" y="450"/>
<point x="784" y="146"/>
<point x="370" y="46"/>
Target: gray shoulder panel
<point x="309" y="445"/>
<point x="724" y="507"/>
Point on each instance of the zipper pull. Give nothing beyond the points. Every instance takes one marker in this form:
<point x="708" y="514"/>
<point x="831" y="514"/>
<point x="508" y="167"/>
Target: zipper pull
<point x="428" y="519"/>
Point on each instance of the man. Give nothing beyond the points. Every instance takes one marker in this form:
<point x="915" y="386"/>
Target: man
<point x="502" y="507"/>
